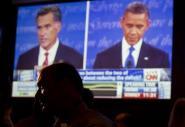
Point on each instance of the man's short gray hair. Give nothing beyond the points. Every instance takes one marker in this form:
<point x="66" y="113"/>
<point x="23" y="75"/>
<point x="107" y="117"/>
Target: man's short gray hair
<point x="55" y="10"/>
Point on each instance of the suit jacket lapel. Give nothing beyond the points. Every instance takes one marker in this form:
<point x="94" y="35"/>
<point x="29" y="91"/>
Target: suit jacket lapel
<point x="58" y="54"/>
<point x="35" y="57"/>
<point x="118" y="57"/>
<point x="143" y="57"/>
<point x="61" y="53"/>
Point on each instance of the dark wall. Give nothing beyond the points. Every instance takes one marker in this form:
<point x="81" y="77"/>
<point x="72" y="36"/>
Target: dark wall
<point x="179" y="51"/>
<point x="7" y="23"/>
<point x="151" y="112"/>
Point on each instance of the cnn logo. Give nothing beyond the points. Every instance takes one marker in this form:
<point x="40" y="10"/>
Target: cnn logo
<point x="151" y="76"/>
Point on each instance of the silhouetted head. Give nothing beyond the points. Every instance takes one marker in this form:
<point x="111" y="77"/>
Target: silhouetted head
<point x="126" y="120"/>
<point x="177" y="118"/>
<point x="62" y="87"/>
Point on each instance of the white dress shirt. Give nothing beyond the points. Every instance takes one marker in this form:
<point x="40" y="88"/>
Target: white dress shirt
<point x="51" y="56"/>
<point x="125" y="50"/>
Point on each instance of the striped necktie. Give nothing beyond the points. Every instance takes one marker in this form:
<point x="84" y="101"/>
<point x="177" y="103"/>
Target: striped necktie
<point x="45" y="63"/>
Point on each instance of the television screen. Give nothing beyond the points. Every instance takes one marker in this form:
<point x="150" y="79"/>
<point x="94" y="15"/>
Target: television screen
<point x="122" y="48"/>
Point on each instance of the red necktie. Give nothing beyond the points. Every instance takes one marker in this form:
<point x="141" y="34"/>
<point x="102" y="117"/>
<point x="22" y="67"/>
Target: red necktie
<point x="45" y="63"/>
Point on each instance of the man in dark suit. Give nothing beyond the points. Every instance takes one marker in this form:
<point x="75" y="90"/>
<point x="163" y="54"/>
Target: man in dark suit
<point x="50" y="49"/>
<point x="132" y="51"/>
<point x="64" y="53"/>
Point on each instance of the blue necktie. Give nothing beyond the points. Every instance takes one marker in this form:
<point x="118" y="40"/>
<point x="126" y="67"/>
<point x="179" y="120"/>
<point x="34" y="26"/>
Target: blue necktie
<point x="129" y="63"/>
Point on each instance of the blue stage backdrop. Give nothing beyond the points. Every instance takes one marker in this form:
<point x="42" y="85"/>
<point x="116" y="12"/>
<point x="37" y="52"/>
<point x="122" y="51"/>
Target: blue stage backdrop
<point x="72" y="33"/>
<point x="104" y="25"/>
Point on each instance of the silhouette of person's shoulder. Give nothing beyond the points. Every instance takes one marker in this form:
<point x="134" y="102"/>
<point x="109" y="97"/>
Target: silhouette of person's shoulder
<point x="27" y="122"/>
<point x="92" y="118"/>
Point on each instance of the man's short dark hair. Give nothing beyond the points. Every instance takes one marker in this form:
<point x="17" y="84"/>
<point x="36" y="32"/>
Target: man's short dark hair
<point x="137" y="8"/>
<point x="62" y="71"/>
<point x="55" y="10"/>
